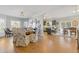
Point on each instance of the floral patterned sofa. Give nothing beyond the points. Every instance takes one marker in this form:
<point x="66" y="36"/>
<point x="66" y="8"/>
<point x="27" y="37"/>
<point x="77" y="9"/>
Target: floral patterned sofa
<point x="21" y="39"/>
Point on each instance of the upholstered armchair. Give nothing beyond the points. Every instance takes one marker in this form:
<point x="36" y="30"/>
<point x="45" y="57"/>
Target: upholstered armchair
<point x="8" y="32"/>
<point x="32" y="35"/>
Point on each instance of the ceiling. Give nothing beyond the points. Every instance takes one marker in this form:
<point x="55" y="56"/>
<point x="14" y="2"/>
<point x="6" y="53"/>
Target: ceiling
<point x="54" y="11"/>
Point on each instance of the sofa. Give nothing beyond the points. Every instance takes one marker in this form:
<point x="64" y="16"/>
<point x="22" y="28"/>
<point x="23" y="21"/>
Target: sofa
<point x="20" y="38"/>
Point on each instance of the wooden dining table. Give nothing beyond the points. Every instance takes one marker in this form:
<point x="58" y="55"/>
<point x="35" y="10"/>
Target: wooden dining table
<point x="72" y="30"/>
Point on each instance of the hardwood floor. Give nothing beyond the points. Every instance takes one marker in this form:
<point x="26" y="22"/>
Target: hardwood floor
<point x="49" y="44"/>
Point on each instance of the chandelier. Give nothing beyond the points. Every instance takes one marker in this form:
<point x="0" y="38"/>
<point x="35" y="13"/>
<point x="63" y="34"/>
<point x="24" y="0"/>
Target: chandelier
<point x="21" y="13"/>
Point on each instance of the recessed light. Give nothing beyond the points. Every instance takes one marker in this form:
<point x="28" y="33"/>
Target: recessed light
<point x="74" y="11"/>
<point x="78" y="10"/>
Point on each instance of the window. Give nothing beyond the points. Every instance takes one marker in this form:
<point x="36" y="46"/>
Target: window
<point x="26" y="24"/>
<point x="68" y="24"/>
<point x="29" y="23"/>
<point x="2" y="25"/>
<point x="15" y="24"/>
